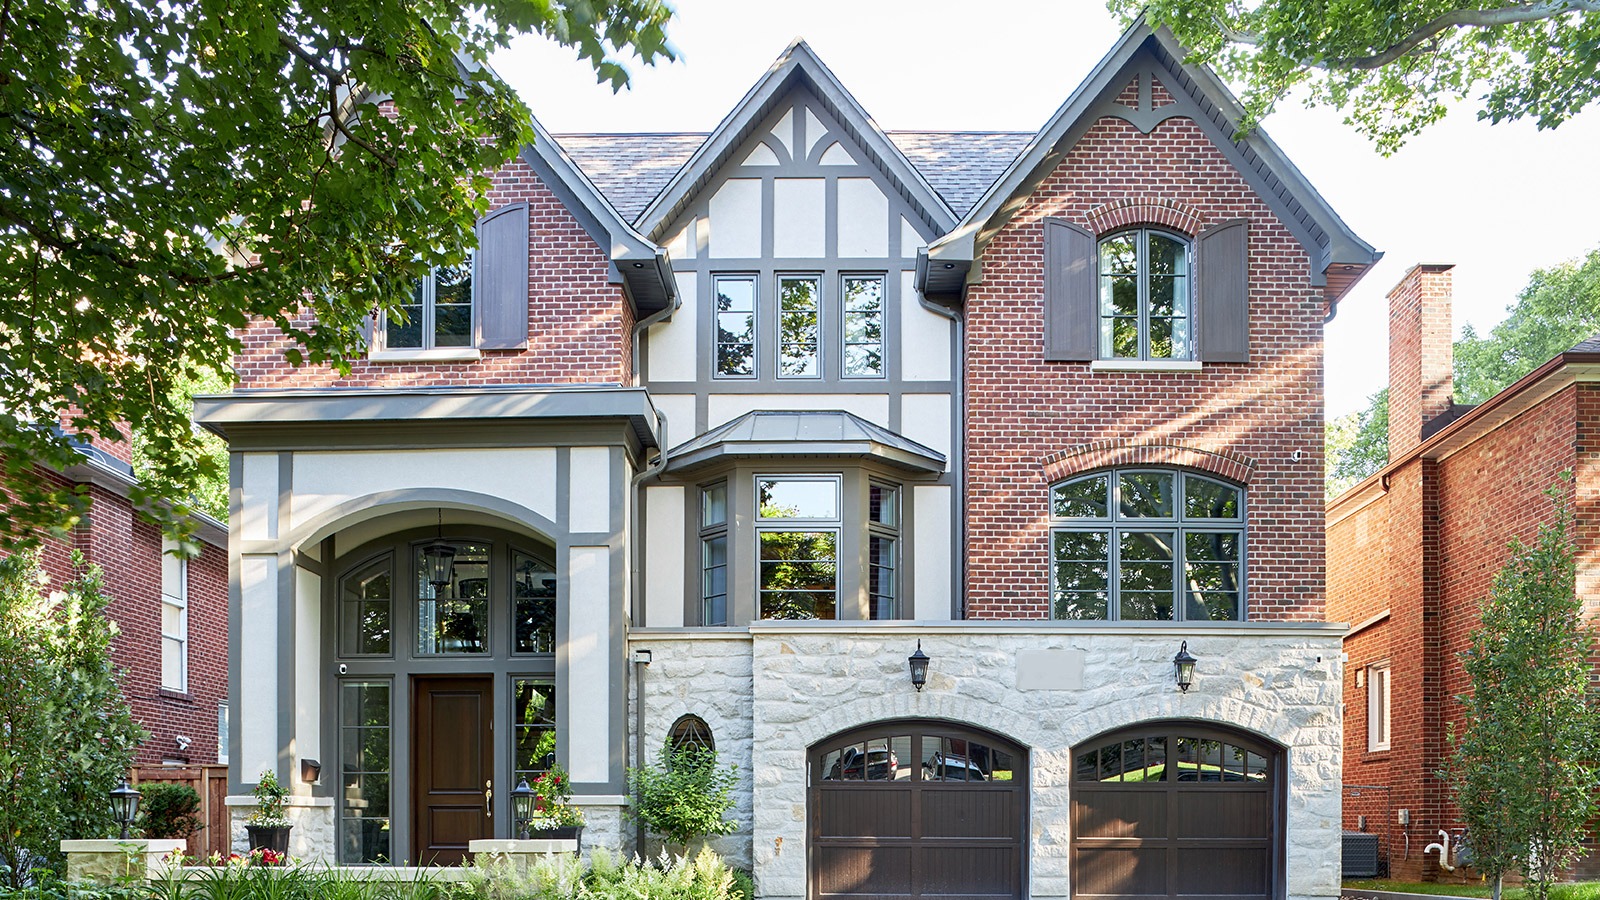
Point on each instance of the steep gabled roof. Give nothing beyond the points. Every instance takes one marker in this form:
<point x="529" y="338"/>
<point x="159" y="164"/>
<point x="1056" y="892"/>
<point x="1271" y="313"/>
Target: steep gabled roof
<point x="1339" y="257"/>
<point x="796" y="67"/>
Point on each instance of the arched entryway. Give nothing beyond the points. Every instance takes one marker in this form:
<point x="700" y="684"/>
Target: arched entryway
<point x="1177" y="808"/>
<point x="916" y="808"/>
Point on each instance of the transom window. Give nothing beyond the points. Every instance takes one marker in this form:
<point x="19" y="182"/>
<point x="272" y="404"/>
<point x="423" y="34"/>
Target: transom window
<point x="1147" y="545"/>
<point x="438" y="314"/>
<point x="1144" y="296"/>
<point x="1172" y="757"/>
<point x="799" y="566"/>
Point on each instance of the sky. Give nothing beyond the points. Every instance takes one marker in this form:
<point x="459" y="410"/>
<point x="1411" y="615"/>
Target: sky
<point x="1497" y="200"/>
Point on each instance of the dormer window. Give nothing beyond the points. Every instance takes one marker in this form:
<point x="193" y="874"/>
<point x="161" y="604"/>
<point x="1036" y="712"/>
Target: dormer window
<point x="439" y="313"/>
<point x="1144" y="296"/>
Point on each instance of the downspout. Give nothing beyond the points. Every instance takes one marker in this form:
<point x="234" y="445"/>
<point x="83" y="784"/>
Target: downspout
<point x="959" y="380"/>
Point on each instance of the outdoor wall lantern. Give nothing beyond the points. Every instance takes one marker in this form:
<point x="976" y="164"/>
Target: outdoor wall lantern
<point x="124" y="806"/>
<point x="919" y="668"/>
<point x="439" y="558"/>
<point x="522" y="807"/>
<point x="1183" y="667"/>
<point x="310" y="771"/>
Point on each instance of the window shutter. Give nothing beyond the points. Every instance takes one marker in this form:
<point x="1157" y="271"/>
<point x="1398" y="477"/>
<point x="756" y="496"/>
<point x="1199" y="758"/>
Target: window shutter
<point x="1222" y="315"/>
<point x="368" y="325"/>
<point x="1070" y="308"/>
<point x="500" y="279"/>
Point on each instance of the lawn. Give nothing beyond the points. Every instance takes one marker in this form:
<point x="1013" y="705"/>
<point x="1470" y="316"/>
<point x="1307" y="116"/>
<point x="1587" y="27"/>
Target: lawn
<point x="1589" y="890"/>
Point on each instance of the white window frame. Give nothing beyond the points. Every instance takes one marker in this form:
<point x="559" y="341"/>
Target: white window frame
<point x="224" y="729"/>
<point x="175" y="595"/>
<point x="1379" y="707"/>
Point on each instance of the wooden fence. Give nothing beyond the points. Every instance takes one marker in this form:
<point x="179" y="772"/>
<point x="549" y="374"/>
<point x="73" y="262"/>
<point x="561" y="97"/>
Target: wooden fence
<point x="211" y="783"/>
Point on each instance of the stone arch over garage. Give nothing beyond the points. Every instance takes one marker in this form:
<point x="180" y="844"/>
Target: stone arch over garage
<point x="910" y="705"/>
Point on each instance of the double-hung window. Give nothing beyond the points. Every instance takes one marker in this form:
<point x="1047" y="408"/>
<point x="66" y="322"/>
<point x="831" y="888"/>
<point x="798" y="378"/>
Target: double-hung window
<point x="1147" y="545"/>
<point x="714" y="554"/>
<point x="799" y="323"/>
<point x="438" y="314"/>
<point x="174" y="618"/>
<point x="798" y="526"/>
<point x="863" y="326"/>
<point x="1144" y="296"/>
<point x="1378" y="707"/>
<point x="735" y="322"/>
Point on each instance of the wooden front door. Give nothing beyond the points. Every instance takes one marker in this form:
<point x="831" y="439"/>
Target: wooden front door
<point x="452" y="766"/>
<point x="913" y="809"/>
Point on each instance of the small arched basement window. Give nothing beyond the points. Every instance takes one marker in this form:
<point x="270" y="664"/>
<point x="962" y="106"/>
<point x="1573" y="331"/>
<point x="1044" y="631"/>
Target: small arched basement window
<point x="691" y="731"/>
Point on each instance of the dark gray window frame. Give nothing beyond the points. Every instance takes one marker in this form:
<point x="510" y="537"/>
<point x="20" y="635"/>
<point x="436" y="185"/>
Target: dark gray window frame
<point x="1142" y="269"/>
<point x="709" y="532"/>
<point x="803" y="525"/>
<point x="819" y="327"/>
<point x="1180" y="525"/>
<point x="429" y="284"/>
<point x="877" y="529"/>
<point x="755" y="324"/>
<point x="883" y="325"/>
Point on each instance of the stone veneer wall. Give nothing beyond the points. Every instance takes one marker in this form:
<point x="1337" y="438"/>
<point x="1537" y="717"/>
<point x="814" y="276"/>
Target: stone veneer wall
<point x="811" y="680"/>
<point x="312" y="839"/>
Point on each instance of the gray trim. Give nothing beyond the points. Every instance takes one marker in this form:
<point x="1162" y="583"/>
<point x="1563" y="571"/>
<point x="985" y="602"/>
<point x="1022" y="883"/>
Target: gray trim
<point x="103" y="474"/>
<point x="797" y="66"/>
<point x="1202" y="97"/>
<point x="235" y="630"/>
<point x="440" y="435"/>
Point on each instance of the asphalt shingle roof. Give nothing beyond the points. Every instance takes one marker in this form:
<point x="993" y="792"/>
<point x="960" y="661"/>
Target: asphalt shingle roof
<point x="631" y="169"/>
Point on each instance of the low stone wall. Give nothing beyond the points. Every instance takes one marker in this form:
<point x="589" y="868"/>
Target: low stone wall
<point x="114" y="861"/>
<point x="311" y="840"/>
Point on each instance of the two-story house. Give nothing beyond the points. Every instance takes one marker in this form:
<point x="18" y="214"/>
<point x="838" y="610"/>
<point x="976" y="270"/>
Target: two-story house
<point x="719" y="430"/>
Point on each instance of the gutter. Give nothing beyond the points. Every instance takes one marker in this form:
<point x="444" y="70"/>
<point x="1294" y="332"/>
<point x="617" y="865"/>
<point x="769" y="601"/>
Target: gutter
<point x="93" y="471"/>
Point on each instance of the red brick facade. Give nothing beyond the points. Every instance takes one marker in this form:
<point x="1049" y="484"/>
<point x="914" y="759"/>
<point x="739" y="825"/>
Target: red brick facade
<point x="128" y="551"/>
<point x="1413" y="552"/>
<point x="1258" y="422"/>
<point x="580" y="326"/>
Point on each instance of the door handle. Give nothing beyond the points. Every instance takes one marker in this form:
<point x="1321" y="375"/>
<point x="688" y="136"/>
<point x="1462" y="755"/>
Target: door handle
<point x="488" y="798"/>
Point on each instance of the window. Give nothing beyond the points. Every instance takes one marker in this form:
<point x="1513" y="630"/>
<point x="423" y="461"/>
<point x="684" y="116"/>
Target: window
<point x="366" y="602"/>
<point x="883" y="533"/>
<point x="735" y="324"/>
<point x="799" y="306"/>
<point x="438" y="314"/>
<point x="714" y="554"/>
<point x="222" y="733"/>
<point x="454" y="619"/>
<point x="365" y="772"/>
<point x="691" y="731"/>
<point x="533" y="590"/>
<point x="1147" y="545"/>
<point x="798" y="546"/>
<point x="533" y="728"/>
<point x="863" y="326"/>
<point x="1378" y="707"/>
<point x="174" y="618"/>
<point x="1144" y="296"/>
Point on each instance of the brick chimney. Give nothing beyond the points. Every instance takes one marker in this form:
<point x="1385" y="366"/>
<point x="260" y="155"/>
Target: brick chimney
<point x="1420" y="353"/>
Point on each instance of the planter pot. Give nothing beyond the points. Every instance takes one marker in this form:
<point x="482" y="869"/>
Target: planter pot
<point x="265" y="837"/>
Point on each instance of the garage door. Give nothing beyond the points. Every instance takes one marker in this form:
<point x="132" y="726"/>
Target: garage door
<point x="1168" y="810"/>
<point x="912" y="809"/>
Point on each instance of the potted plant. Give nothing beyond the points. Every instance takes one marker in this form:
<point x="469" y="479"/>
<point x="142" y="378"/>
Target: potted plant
<point x="267" y="826"/>
<point x="554" y="817"/>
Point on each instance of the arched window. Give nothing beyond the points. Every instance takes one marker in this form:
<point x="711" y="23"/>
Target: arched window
<point x="1144" y="296"/>
<point x="1147" y="545"/>
<point x="691" y="731"/>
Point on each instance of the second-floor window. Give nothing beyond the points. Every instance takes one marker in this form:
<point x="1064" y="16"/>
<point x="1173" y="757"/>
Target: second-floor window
<point x="1147" y="545"/>
<point x="735" y="324"/>
<point x="799" y="322"/>
<point x="174" y="619"/>
<point x="439" y="313"/>
<point x="799" y="326"/>
<point x="863" y="326"/>
<point x="1144" y="296"/>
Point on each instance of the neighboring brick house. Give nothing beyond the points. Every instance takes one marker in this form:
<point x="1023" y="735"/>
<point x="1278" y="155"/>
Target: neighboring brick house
<point x="171" y="614"/>
<point x="728" y="425"/>
<point x="1413" y="550"/>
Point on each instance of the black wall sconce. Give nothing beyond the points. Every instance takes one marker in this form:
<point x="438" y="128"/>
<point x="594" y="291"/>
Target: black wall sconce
<point x="919" y="668"/>
<point x="1183" y="667"/>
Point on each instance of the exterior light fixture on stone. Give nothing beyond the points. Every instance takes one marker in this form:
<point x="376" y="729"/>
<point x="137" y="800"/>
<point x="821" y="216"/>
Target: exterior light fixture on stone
<point x="1183" y="667"/>
<point x="125" y="805"/>
<point x="919" y="668"/>
<point x="522" y="808"/>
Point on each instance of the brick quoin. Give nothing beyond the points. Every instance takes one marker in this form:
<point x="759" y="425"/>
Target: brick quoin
<point x="1025" y="415"/>
<point x="580" y="326"/>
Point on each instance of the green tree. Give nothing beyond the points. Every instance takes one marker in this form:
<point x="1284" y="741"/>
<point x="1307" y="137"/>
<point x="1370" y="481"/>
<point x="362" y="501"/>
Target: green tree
<point x="684" y="796"/>
<point x="66" y="734"/>
<point x="172" y="169"/>
<point x="1559" y="308"/>
<point x="1357" y="444"/>
<point x="1395" y="67"/>
<point x="1523" y="764"/>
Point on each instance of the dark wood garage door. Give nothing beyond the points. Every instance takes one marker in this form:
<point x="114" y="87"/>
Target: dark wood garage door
<point x="1174" y="809"/>
<point x="904" y="810"/>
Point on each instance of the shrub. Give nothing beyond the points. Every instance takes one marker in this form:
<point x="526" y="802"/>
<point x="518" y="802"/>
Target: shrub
<point x="684" y="796"/>
<point x="705" y="877"/>
<point x="169" y="810"/>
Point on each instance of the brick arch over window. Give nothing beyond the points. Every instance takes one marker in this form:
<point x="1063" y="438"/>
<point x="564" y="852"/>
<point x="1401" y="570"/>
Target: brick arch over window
<point x="1109" y="217"/>
<point x="1105" y="454"/>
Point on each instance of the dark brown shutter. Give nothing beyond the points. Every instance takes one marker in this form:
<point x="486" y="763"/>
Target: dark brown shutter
<point x="1070" y="309"/>
<point x="1222" y="312"/>
<point x="500" y="279"/>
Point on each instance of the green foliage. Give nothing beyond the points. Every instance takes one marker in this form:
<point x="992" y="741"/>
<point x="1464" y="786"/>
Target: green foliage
<point x="168" y="810"/>
<point x="704" y="877"/>
<point x="684" y="796"/>
<point x="1523" y="764"/>
<point x="49" y="887"/>
<point x="271" y="800"/>
<point x="237" y="880"/>
<point x="1559" y="308"/>
<point x="551" y="791"/>
<point x="211" y="482"/>
<point x="1395" y="67"/>
<point x="174" y="169"/>
<point x="1357" y="444"/>
<point x="66" y="734"/>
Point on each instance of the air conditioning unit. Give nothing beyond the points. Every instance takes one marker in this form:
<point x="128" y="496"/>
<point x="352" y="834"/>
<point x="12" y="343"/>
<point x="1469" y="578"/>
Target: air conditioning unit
<point x="1360" y="855"/>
